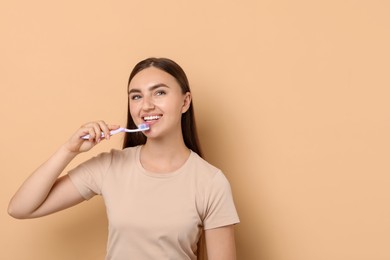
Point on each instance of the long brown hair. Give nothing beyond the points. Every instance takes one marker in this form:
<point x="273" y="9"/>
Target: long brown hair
<point x="188" y="126"/>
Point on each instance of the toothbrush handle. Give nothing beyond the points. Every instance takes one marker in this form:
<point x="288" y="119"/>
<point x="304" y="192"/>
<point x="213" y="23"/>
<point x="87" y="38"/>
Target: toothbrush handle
<point x="112" y="132"/>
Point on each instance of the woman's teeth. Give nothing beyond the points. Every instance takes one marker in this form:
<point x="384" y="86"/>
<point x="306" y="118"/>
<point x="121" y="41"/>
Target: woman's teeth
<point x="150" y="118"/>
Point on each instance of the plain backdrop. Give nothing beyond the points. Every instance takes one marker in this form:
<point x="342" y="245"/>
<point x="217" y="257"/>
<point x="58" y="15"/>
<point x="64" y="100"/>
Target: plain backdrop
<point x="291" y="99"/>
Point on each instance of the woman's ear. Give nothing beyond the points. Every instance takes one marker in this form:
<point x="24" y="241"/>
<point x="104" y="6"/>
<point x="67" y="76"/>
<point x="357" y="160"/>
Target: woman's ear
<point x="187" y="102"/>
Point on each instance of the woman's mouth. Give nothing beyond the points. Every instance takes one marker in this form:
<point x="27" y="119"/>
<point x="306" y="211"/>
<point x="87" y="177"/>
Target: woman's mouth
<point x="149" y="119"/>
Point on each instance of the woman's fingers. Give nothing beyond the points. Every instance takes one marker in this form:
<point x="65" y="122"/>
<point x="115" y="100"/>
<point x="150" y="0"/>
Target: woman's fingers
<point x="105" y="129"/>
<point x="98" y="130"/>
<point x="94" y="130"/>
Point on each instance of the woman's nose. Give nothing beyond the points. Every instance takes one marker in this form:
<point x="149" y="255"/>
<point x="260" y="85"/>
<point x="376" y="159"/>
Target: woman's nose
<point x="147" y="103"/>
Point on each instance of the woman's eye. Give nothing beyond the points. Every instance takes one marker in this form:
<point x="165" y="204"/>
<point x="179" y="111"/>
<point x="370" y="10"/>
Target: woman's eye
<point x="135" y="97"/>
<point x="160" y="93"/>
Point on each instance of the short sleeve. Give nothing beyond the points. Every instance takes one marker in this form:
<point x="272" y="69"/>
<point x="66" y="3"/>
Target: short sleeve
<point x="219" y="204"/>
<point x="88" y="177"/>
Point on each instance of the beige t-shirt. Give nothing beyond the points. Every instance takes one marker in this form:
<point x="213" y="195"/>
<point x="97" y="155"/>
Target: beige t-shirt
<point x="156" y="216"/>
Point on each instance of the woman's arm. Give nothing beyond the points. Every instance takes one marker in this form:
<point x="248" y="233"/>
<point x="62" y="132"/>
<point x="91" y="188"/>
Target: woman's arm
<point x="220" y="243"/>
<point x="43" y="192"/>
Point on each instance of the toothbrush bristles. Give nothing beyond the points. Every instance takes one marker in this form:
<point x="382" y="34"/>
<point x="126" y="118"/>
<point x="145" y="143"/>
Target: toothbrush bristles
<point x="143" y="126"/>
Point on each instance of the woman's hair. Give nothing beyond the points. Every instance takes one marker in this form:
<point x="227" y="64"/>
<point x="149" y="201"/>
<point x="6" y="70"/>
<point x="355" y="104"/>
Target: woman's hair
<point x="188" y="126"/>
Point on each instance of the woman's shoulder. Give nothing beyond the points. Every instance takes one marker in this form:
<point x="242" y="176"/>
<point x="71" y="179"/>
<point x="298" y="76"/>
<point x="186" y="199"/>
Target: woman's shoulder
<point x="201" y="162"/>
<point x="125" y="151"/>
<point x="121" y="152"/>
<point x="116" y="154"/>
<point x="203" y="168"/>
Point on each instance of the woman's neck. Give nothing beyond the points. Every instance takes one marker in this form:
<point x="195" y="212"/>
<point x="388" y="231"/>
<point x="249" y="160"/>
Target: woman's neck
<point x="163" y="156"/>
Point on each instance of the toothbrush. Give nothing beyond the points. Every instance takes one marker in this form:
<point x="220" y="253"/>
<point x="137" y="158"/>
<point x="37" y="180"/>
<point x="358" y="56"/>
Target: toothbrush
<point x="141" y="127"/>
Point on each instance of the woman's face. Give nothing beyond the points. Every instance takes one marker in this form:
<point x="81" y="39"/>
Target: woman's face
<point x="156" y="98"/>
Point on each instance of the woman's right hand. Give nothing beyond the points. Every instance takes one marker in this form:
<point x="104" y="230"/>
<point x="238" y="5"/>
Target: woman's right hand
<point x="76" y="144"/>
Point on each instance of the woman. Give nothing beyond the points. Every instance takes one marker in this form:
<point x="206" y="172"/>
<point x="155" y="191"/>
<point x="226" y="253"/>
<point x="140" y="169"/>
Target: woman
<point x="161" y="196"/>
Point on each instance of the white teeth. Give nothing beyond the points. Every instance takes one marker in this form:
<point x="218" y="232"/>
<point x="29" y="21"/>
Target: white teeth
<point x="149" y="118"/>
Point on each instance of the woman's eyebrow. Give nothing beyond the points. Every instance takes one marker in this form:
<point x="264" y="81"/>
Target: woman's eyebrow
<point x="151" y="88"/>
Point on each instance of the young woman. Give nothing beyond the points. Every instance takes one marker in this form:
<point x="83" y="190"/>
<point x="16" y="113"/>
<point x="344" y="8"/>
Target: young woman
<point x="161" y="196"/>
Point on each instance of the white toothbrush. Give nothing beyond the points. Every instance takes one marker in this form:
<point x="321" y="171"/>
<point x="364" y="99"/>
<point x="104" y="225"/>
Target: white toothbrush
<point x="141" y="127"/>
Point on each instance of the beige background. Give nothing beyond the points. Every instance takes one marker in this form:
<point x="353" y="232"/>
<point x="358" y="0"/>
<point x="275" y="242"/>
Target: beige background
<point x="292" y="102"/>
